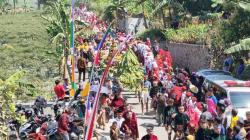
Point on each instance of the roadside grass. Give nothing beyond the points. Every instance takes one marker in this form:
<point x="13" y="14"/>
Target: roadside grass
<point x="24" y="45"/>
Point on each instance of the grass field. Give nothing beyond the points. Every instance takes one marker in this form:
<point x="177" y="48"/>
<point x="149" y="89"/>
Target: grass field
<point x="24" y="45"/>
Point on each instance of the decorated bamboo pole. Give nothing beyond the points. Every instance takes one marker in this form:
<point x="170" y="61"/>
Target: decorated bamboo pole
<point x="72" y="92"/>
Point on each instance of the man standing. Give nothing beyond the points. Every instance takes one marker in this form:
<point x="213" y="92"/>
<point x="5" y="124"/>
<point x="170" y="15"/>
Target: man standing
<point x="63" y="125"/>
<point x="81" y="66"/>
<point x="59" y="90"/>
<point x="150" y="135"/>
<point x="228" y="63"/>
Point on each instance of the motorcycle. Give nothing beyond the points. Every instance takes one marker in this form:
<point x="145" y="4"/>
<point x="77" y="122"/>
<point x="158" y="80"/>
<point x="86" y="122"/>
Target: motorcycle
<point x="32" y="126"/>
<point x="13" y="127"/>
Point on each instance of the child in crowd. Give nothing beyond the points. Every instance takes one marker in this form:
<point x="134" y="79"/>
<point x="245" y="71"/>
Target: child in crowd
<point x="114" y="132"/>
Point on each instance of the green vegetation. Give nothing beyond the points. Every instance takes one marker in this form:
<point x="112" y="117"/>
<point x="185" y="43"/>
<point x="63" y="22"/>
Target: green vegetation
<point x="24" y="45"/>
<point x="8" y="90"/>
<point x="152" y="34"/>
<point x="129" y="70"/>
<point x="192" y="34"/>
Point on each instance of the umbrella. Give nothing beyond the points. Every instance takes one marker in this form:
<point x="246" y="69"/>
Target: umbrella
<point x="103" y="89"/>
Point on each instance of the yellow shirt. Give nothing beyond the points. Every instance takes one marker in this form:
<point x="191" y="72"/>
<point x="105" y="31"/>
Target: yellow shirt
<point x="234" y="122"/>
<point x="190" y="137"/>
<point x="85" y="47"/>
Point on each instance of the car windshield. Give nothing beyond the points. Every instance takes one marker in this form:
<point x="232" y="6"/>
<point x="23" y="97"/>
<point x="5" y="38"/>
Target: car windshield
<point x="240" y="99"/>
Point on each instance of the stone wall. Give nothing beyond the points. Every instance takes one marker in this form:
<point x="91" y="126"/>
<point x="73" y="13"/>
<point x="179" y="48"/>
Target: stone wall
<point x="195" y="57"/>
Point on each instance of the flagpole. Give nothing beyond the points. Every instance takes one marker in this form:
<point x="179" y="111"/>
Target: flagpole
<point x="93" y="113"/>
<point x="92" y="70"/>
<point x="72" y="49"/>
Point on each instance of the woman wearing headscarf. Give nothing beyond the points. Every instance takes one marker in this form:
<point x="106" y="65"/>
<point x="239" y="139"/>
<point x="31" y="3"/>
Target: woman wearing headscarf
<point x="211" y="107"/>
<point x="129" y="126"/>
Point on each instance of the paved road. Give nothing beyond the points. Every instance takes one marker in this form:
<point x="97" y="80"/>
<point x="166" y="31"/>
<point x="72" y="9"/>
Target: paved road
<point x="143" y="121"/>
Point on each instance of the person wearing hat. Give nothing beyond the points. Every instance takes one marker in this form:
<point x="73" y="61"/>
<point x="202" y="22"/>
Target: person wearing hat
<point x="242" y="132"/>
<point x="203" y="132"/>
<point x="150" y="135"/>
<point x="219" y="130"/>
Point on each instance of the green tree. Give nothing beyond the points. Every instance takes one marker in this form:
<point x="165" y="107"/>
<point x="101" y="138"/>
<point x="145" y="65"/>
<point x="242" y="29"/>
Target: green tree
<point x="8" y="89"/>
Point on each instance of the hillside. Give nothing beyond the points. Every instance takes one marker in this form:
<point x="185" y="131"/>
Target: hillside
<point x="24" y="45"/>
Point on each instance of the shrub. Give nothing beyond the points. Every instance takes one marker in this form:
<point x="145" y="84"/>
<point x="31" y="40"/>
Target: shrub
<point x="192" y="34"/>
<point x="152" y="34"/>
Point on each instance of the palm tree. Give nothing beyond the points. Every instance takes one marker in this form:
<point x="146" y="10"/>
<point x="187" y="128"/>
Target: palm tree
<point x="244" y="45"/>
<point x="58" y="17"/>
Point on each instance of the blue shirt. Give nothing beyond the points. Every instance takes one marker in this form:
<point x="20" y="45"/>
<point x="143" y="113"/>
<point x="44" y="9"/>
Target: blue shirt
<point x="240" y="69"/>
<point x="214" y="99"/>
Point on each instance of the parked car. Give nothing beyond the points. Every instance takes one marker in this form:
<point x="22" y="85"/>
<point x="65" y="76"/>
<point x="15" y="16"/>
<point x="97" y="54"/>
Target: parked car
<point x="208" y="72"/>
<point x="237" y="92"/>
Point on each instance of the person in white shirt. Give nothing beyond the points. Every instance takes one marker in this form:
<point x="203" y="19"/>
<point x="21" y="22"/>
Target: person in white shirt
<point x="119" y="119"/>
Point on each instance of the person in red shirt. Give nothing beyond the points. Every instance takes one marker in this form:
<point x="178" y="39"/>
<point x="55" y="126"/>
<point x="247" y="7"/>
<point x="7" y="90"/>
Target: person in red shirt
<point x="117" y="102"/>
<point x="177" y="93"/>
<point x="63" y="124"/>
<point x="129" y="126"/>
<point x="150" y="135"/>
<point x="59" y="90"/>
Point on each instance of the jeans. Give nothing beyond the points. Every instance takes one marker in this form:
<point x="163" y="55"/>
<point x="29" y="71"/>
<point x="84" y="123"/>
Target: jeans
<point x="65" y="136"/>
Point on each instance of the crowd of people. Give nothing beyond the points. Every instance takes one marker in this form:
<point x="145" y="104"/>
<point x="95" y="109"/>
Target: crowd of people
<point x="182" y="105"/>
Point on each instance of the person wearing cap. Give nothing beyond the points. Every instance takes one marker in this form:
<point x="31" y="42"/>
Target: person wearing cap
<point x="242" y="132"/>
<point x="203" y="132"/>
<point x="219" y="130"/>
<point x="150" y="135"/>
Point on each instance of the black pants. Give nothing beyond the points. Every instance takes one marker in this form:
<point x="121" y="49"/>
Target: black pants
<point x="81" y="71"/>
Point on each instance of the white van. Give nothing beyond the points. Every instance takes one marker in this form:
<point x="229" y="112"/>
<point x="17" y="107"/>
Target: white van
<point x="237" y="91"/>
